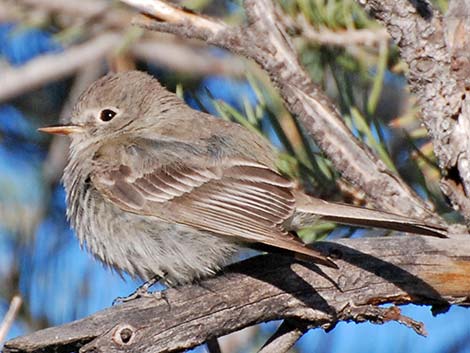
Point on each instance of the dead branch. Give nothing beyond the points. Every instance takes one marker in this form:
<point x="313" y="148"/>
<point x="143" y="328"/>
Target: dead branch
<point x="112" y="24"/>
<point x="188" y="59"/>
<point x="400" y="270"/>
<point x="287" y="334"/>
<point x="10" y="316"/>
<point x="435" y="65"/>
<point x="51" y="67"/>
<point x="84" y="10"/>
<point x="325" y="36"/>
<point x="56" y="159"/>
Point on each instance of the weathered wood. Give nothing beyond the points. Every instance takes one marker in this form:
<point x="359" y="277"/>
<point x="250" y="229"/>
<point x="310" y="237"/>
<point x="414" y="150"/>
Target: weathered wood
<point x="438" y="76"/>
<point x="372" y="271"/>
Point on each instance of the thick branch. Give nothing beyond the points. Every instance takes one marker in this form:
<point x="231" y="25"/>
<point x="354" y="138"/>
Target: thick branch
<point x="264" y="39"/>
<point x="399" y="270"/>
<point x="433" y="77"/>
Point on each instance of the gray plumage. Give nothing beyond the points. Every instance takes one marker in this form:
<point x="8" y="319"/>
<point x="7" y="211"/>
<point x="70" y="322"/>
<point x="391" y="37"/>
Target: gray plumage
<point x="155" y="188"/>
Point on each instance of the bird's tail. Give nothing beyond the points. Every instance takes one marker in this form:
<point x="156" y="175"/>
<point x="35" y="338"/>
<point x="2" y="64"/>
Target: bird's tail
<point x="309" y="210"/>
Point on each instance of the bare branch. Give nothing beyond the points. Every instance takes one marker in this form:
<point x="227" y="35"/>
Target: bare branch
<point x="400" y="270"/>
<point x="325" y="36"/>
<point x="184" y="58"/>
<point x="173" y="14"/>
<point x="160" y="49"/>
<point x="420" y="33"/>
<point x="8" y="12"/>
<point x="38" y="72"/>
<point x="284" y="338"/>
<point x="9" y="318"/>
<point x="56" y="159"/>
<point x="380" y="315"/>
<point x="84" y="10"/>
<point x="276" y="55"/>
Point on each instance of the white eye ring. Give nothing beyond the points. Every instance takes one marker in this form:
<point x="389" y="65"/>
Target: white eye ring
<point x="107" y="114"/>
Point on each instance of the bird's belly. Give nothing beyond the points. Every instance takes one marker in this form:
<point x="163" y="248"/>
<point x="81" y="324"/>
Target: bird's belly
<point x="145" y="246"/>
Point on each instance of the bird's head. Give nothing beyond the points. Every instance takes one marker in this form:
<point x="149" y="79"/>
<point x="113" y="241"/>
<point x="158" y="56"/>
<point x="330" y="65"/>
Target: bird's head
<point x="116" y="104"/>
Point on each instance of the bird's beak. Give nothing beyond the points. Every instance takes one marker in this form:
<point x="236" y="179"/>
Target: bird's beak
<point x="62" y="129"/>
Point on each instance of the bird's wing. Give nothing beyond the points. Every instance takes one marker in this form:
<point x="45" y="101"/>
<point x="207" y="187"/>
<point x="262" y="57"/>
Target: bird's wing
<point x="240" y="199"/>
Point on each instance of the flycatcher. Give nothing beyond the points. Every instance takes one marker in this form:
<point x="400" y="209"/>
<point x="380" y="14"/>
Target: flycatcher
<point x="157" y="189"/>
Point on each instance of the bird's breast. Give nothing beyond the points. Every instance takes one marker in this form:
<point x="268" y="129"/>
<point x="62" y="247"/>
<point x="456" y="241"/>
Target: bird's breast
<point x="140" y="245"/>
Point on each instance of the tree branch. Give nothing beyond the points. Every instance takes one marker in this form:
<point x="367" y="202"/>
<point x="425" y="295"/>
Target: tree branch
<point x="344" y="38"/>
<point x="51" y="67"/>
<point x="85" y="10"/>
<point x="286" y="335"/>
<point x="275" y="54"/>
<point x="400" y="270"/>
<point x="433" y="76"/>
<point x="10" y="316"/>
<point x="156" y="48"/>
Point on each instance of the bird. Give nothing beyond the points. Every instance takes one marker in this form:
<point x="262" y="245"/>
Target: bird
<point x="161" y="191"/>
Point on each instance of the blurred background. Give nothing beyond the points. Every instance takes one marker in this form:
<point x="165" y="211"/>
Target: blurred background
<point x="50" y="50"/>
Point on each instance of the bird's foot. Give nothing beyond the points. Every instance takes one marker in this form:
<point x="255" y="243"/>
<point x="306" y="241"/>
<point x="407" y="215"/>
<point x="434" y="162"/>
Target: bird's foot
<point x="141" y="292"/>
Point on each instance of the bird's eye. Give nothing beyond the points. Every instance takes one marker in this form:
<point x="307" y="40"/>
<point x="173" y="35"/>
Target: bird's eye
<point x="107" y="114"/>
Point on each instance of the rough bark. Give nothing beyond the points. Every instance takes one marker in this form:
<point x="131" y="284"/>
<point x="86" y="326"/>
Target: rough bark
<point x="373" y="271"/>
<point x="436" y="51"/>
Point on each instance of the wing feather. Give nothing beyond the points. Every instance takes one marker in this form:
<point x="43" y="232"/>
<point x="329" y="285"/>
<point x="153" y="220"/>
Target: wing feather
<point x="241" y="199"/>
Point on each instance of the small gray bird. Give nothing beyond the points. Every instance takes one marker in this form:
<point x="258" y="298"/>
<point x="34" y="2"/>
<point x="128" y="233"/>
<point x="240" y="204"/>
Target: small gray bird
<point x="157" y="189"/>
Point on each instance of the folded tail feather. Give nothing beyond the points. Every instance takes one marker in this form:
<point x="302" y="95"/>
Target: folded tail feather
<point x="309" y="210"/>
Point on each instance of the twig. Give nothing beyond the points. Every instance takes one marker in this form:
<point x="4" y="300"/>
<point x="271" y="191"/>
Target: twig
<point x="173" y="14"/>
<point x="56" y="159"/>
<point x="284" y="338"/>
<point x="345" y="38"/>
<point x="8" y="12"/>
<point x="380" y="315"/>
<point x="275" y="54"/>
<point x="183" y="57"/>
<point x="9" y="318"/>
<point x="84" y="9"/>
<point x="44" y="69"/>
<point x="156" y="48"/>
